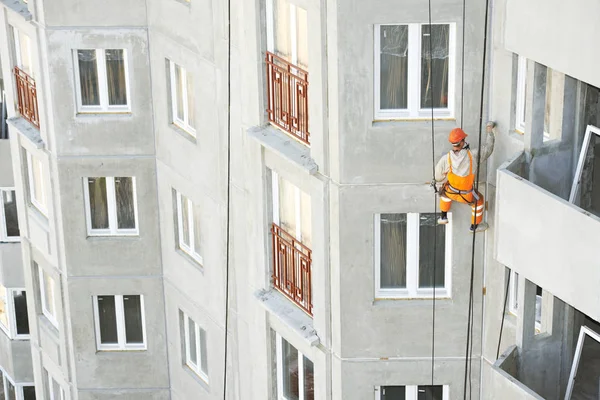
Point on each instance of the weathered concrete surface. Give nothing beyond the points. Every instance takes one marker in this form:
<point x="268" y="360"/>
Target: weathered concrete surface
<point x="500" y="385"/>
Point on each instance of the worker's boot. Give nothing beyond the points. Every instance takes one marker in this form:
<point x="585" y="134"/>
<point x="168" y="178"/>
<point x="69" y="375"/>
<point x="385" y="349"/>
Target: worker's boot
<point x="443" y="219"/>
<point x="479" y="228"/>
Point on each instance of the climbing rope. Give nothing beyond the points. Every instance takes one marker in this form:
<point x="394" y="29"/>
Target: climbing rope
<point x="503" y="314"/>
<point x="470" y="320"/>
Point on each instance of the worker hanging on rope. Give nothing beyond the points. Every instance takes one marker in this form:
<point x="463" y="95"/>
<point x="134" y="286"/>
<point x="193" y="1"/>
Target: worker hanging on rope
<point x="457" y="171"/>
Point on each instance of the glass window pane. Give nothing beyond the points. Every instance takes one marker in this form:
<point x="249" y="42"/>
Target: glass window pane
<point x="191" y="100"/>
<point x="179" y="92"/>
<point x="25" y="53"/>
<point x="88" y="77"/>
<point x="3" y="307"/>
<point x="289" y="363"/>
<point x="28" y="393"/>
<point x="125" y="203"/>
<point x="430" y="392"/>
<point x="309" y="380"/>
<point x="287" y="207"/>
<point x="56" y="390"/>
<point x="282" y="31"/>
<point x="302" y="37"/>
<point x="98" y="203"/>
<point x="10" y="391"/>
<point x="305" y="219"/>
<point x="132" y="306"/>
<point x="10" y="213"/>
<point x="434" y="66"/>
<point x="22" y="321"/>
<point x="429" y="233"/>
<point x="196" y="231"/>
<point x="393" y="67"/>
<point x="185" y="216"/>
<point x="38" y="184"/>
<point x="115" y="77"/>
<point x="393" y="251"/>
<point x="49" y="293"/>
<point x="203" y="354"/>
<point x="107" y="316"/>
<point x="193" y="348"/>
<point x="393" y="393"/>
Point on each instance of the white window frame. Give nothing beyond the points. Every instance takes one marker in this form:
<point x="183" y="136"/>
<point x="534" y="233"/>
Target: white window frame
<point x="45" y="311"/>
<point x="513" y="294"/>
<point x="185" y="123"/>
<point x="412" y="391"/>
<point x="575" y="188"/>
<point x="189" y="250"/>
<point x="120" y="318"/>
<point x="111" y="200"/>
<point x="412" y="289"/>
<point x="104" y="107"/>
<point x="279" y="353"/>
<point x="11" y="316"/>
<point x="3" y="228"/>
<point x="414" y="110"/>
<point x="18" y="386"/>
<point x="521" y="94"/>
<point x="41" y="204"/>
<point x="49" y="388"/>
<point x="196" y="368"/>
<point x="297" y="205"/>
<point x="577" y="357"/>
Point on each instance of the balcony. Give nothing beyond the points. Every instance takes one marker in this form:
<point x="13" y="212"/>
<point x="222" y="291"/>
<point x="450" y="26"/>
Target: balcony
<point x="292" y="268"/>
<point x="27" y="97"/>
<point x="547" y="239"/>
<point x="287" y="97"/>
<point x="15" y="358"/>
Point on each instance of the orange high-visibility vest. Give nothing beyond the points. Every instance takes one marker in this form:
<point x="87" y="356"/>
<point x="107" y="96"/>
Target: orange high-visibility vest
<point x="461" y="184"/>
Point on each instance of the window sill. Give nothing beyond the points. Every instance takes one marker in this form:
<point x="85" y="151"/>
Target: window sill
<point x="113" y="235"/>
<point x="276" y="140"/>
<point x="399" y="123"/>
<point x="103" y="114"/>
<point x="107" y="351"/>
<point x="27" y="130"/>
<point x="198" y="378"/>
<point x="289" y="314"/>
<point x="442" y="302"/>
<point x="39" y="217"/>
<point x="183" y="132"/>
<point x="196" y="263"/>
<point x="49" y="327"/>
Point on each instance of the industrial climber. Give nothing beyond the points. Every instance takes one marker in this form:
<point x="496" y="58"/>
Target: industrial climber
<point x="457" y="171"/>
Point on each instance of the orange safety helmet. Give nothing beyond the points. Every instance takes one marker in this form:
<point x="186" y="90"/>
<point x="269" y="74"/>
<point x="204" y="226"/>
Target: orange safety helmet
<point x="456" y="135"/>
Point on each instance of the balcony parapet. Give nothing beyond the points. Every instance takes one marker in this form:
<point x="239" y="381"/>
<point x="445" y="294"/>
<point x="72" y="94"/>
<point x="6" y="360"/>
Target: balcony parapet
<point x="500" y="379"/>
<point x="546" y="239"/>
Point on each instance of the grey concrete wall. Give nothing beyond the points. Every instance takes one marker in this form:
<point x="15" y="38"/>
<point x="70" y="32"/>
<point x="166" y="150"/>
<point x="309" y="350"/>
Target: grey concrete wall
<point x="498" y="385"/>
<point x="72" y="13"/>
<point x="11" y="265"/>
<point x="15" y="358"/>
<point x="6" y="177"/>
<point x="112" y="369"/>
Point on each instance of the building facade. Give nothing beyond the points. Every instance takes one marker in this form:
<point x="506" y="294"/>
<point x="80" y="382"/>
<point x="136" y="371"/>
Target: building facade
<point x="234" y="196"/>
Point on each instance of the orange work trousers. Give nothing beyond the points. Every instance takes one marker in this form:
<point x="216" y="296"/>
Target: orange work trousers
<point x="474" y="198"/>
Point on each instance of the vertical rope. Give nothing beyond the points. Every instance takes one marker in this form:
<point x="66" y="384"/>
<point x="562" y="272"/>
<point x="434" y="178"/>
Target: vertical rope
<point x="228" y="229"/>
<point x="435" y="202"/>
<point x="503" y="314"/>
<point x="469" y="347"/>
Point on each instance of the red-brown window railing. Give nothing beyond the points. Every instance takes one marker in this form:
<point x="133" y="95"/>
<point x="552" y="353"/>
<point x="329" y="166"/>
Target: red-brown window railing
<point x="287" y="97"/>
<point x="27" y="97"/>
<point x="292" y="265"/>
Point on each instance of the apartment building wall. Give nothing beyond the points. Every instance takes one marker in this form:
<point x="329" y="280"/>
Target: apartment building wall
<point x="74" y="145"/>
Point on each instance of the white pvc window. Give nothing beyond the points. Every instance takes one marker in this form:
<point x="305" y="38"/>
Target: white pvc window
<point x="409" y="78"/>
<point x="48" y="294"/>
<point x="295" y="373"/>
<point x="182" y="98"/>
<point x="15" y="391"/>
<point x="37" y="184"/>
<point x="413" y="392"/>
<point x="521" y="98"/>
<point x="287" y="31"/>
<point x="102" y="80"/>
<point x="23" y="51"/>
<point x="586" y="157"/>
<point x="188" y="228"/>
<point x="53" y="389"/>
<point x="120" y="322"/>
<point x="9" y="222"/>
<point x="582" y="387"/>
<point x="13" y="313"/>
<point x="292" y="209"/>
<point x="111" y="206"/>
<point x="404" y="256"/>
<point x="196" y="355"/>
